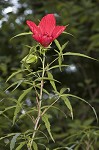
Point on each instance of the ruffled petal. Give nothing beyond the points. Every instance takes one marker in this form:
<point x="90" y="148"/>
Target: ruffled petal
<point x="33" y="27"/>
<point x="47" y="24"/>
<point x="57" y="31"/>
<point x="37" y="37"/>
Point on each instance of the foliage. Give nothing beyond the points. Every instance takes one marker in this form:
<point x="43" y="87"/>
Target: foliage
<point x="82" y="81"/>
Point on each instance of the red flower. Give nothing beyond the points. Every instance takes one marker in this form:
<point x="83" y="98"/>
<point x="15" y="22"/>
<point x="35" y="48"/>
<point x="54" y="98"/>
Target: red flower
<point x="46" y="31"/>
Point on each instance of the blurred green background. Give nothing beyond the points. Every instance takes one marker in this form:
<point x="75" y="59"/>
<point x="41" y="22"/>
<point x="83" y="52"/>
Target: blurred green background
<point x="82" y="76"/>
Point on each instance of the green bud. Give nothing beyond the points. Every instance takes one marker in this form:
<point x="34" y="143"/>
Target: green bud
<point x="30" y="59"/>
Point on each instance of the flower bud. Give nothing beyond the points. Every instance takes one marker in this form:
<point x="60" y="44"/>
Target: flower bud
<point x="30" y="59"/>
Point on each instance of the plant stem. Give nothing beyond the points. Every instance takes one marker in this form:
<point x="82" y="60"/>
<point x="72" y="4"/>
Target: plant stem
<point x="39" y="104"/>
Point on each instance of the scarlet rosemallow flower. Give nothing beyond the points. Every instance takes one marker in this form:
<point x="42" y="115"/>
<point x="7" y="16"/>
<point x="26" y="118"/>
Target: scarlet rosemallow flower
<point x="47" y="30"/>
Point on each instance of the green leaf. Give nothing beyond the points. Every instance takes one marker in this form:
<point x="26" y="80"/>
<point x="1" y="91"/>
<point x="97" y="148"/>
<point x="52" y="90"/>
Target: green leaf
<point x="28" y="46"/>
<point x="21" y="34"/>
<point x="78" y="54"/>
<point x="47" y="124"/>
<point x="74" y="96"/>
<point x="51" y="106"/>
<point x="24" y="94"/>
<point x="35" y="147"/>
<point x="67" y="33"/>
<point x="60" y="54"/>
<point x="15" y="73"/>
<point x="18" y="84"/>
<point x="45" y="78"/>
<point x="58" y="45"/>
<point x="8" y="108"/>
<point x="1" y="112"/>
<point x="67" y="148"/>
<point x="18" y="106"/>
<point x="17" y="110"/>
<point x="56" y="66"/>
<point x="13" y="141"/>
<point x="64" y="45"/>
<point x="68" y="104"/>
<point x="11" y="134"/>
<point x="50" y="76"/>
<point x="20" y="146"/>
<point x="12" y="99"/>
<point x="63" y="90"/>
<point x="56" y="51"/>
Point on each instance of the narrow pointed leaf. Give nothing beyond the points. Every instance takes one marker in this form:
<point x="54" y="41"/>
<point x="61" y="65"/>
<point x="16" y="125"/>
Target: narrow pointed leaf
<point x="20" y="146"/>
<point x="68" y="104"/>
<point x="58" y="45"/>
<point x="19" y="83"/>
<point x="64" y="45"/>
<point x="56" y="51"/>
<point x="68" y="33"/>
<point x="11" y="134"/>
<point x="46" y="78"/>
<point x="13" y="141"/>
<point x="47" y="124"/>
<point x="21" y="34"/>
<point x="15" y="73"/>
<point x="13" y="84"/>
<point x="74" y="96"/>
<point x="19" y="104"/>
<point x="57" y="66"/>
<point x="48" y="107"/>
<point x="50" y="76"/>
<point x="35" y="147"/>
<point x="63" y="90"/>
<point x="78" y="54"/>
<point x="24" y="94"/>
<point x="8" y="108"/>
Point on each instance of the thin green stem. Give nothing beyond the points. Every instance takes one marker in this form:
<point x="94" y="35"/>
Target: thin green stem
<point x="39" y="104"/>
<point x="50" y="106"/>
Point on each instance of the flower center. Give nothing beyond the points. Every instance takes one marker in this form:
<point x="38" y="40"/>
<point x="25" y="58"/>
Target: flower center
<point x="46" y="40"/>
<point x="46" y="35"/>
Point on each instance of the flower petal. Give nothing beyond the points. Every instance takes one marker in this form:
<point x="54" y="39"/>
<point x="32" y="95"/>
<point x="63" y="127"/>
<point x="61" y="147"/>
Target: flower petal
<point x="33" y="27"/>
<point x="37" y="37"/>
<point x="47" y="24"/>
<point x="45" y="41"/>
<point x="57" y="31"/>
